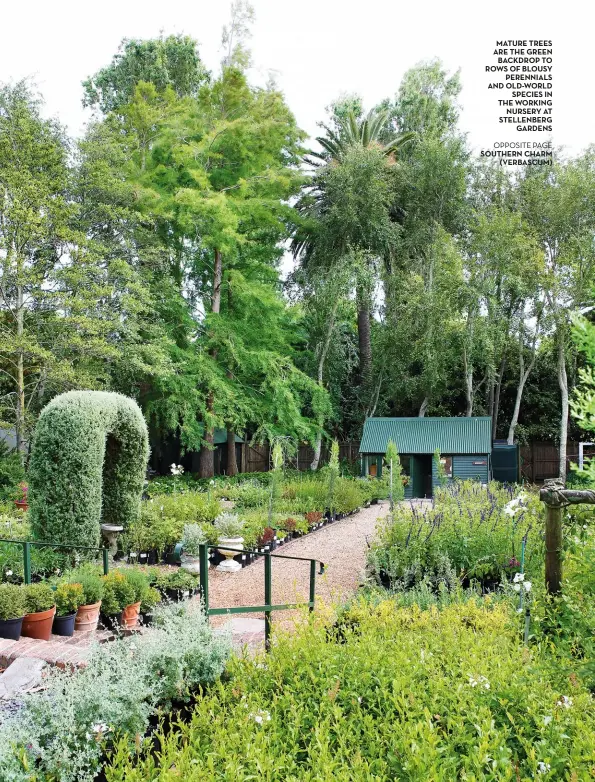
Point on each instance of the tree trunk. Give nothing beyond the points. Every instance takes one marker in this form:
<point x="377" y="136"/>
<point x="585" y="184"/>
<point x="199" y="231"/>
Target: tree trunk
<point x="468" y="371"/>
<point x="496" y="409"/>
<point x="321" y="361"/>
<point x="423" y="409"/>
<point x="563" y="383"/>
<point x="232" y="465"/>
<point x="206" y="467"/>
<point x="365" y="343"/>
<point x="20" y="405"/>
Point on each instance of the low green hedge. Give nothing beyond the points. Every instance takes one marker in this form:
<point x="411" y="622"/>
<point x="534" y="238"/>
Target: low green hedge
<point x="404" y="694"/>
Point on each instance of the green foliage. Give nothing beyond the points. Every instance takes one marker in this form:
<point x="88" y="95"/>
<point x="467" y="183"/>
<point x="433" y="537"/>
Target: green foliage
<point x="68" y="598"/>
<point x="11" y="472"/>
<point x="89" y="579"/>
<point x="38" y="597"/>
<point x="178" y="578"/>
<point x="229" y="525"/>
<point x="12" y="601"/>
<point x="439" y="468"/>
<point x="64" y="731"/>
<point x="192" y="539"/>
<point x="151" y="598"/>
<point x="468" y="699"/>
<point x="162" y="519"/>
<point x="471" y="533"/>
<point x="392" y="460"/>
<point x="88" y="464"/>
<point x="118" y="592"/>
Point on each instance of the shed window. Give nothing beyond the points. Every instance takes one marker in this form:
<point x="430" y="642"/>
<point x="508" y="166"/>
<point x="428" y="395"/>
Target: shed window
<point x="446" y="462"/>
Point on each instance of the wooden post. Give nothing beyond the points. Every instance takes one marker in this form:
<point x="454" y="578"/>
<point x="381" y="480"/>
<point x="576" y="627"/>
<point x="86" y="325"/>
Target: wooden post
<point x="555" y="498"/>
<point x="553" y="548"/>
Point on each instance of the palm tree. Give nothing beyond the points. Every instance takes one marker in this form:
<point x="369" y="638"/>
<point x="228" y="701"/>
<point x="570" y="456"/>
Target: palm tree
<point x="313" y="206"/>
<point x="355" y="132"/>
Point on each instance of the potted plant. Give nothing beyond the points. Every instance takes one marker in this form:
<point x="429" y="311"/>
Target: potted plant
<point x="12" y="611"/>
<point x="40" y="608"/>
<point x="192" y="539"/>
<point x="266" y="538"/>
<point x="22" y="501"/>
<point x="68" y="599"/>
<point x="118" y="593"/>
<point x="150" y="599"/>
<point x="139" y="582"/>
<point x="177" y="585"/>
<point x="229" y="528"/>
<point x="87" y="615"/>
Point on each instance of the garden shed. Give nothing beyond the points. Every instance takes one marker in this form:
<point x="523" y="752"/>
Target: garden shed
<point x="465" y="446"/>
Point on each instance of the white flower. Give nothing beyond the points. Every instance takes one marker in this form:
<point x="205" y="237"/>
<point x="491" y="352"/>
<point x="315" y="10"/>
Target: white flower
<point x="481" y="680"/>
<point x="565" y="701"/>
<point x="8" y="572"/>
<point x="211" y="482"/>
<point x="359" y="698"/>
<point x="260" y="716"/>
<point x="527" y="586"/>
<point x="518" y="577"/>
<point x="176" y="469"/>
<point x="100" y="727"/>
<point x="516" y="587"/>
<point x="547" y="719"/>
<point x="543" y="768"/>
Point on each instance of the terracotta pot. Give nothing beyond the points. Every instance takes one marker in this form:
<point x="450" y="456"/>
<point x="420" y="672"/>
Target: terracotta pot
<point x="39" y="625"/>
<point x="22" y="504"/>
<point x="87" y="617"/>
<point x="130" y="615"/>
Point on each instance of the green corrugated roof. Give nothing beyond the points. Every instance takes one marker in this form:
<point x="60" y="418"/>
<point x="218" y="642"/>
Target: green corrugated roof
<point x="220" y="436"/>
<point x="424" y="435"/>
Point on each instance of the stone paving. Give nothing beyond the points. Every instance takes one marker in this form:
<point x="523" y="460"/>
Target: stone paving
<point x="58" y="650"/>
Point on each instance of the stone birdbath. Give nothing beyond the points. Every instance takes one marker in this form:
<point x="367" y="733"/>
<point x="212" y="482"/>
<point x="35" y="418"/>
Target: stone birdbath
<point x="110" y="534"/>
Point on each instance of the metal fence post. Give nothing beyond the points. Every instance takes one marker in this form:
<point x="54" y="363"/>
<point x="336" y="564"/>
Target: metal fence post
<point x="312" y="583"/>
<point x="27" y="561"/>
<point x="105" y="556"/>
<point x="268" y="600"/>
<point x="203" y="555"/>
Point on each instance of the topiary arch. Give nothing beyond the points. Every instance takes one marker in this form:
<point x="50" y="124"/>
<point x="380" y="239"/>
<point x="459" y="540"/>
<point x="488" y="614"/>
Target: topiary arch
<point x="88" y="463"/>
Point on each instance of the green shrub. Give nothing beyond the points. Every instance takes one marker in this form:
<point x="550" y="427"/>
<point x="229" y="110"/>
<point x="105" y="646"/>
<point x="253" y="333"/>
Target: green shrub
<point x="162" y="520"/>
<point x="63" y="732"/>
<point x="39" y="597"/>
<point x="11" y="472"/>
<point x="405" y="695"/>
<point x="229" y="525"/>
<point x="68" y="598"/>
<point x="88" y="460"/>
<point x="471" y="532"/>
<point x="88" y="577"/>
<point x="177" y="579"/>
<point x="150" y="599"/>
<point x="118" y="592"/>
<point x="139" y="581"/>
<point x="192" y="539"/>
<point x="12" y="601"/>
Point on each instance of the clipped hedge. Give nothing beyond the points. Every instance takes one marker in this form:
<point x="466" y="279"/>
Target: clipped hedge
<point x="88" y="463"/>
<point x="404" y="694"/>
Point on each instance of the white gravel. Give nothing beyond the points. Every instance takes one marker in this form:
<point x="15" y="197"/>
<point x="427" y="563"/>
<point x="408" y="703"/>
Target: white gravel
<point x="341" y="546"/>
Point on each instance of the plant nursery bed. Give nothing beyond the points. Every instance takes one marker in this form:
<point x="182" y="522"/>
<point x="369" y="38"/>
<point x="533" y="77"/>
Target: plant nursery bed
<point x="59" y="650"/>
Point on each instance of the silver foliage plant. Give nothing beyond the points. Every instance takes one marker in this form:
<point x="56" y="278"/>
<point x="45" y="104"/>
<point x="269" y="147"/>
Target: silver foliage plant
<point x="60" y="733"/>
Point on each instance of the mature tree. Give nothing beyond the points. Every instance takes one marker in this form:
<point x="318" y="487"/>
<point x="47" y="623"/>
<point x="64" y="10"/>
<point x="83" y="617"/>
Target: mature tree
<point x="559" y="204"/>
<point x="171" y="62"/>
<point x="54" y="330"/>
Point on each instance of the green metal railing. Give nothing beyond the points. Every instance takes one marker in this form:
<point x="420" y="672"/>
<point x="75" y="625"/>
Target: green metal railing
<point x="268" y="607"/>
<point x="26" y="546"/>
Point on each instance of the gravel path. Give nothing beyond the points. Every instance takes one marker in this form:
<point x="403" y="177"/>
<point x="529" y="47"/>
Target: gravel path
<point x="341" y="546"/>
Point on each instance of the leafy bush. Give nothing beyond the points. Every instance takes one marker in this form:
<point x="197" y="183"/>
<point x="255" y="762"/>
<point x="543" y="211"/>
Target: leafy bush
<point x="118" y="592"/>
<point x="162" y="520"/>
<point x="62" y="732"/>
<point x="405" y="694"/>
<point x="88" y="577"/>
<point x="12" y="601"/>
<point x="88" y="460"/>
<point x="38" y="597"/>
<point x="178" y="578"/>
<point x="11" y="472"/>
<point x="470" y="533"/>
<point x="192" y="539"/>
<point x="139" y="582"/>
<point x="68" y="598"/>
<point x="229" y="525"/>
<point x="151" y="598"/>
